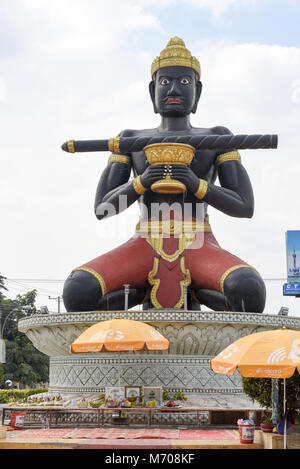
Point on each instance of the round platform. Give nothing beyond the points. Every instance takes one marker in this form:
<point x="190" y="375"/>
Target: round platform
<point x="195" y="338"/>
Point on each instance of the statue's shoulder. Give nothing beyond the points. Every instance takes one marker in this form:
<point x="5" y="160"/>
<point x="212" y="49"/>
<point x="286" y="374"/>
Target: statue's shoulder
<point x="135" y="132"/>
<point x="220" y="130"/>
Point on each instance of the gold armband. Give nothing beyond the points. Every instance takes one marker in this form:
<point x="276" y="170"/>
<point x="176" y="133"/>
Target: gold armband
<point x="138" y="186"/>
<point x="229" y="156"/>
<point x="119" y="159"/>
<point x="114" y="145"/>
<point x="202" y="189"/>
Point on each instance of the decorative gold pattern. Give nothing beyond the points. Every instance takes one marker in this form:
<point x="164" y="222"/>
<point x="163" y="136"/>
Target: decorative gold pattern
<point x="172" y="227"/>
<point x="183" y="242"/>
<point x="155" y="282"/>
<point x="95" y="274"/>
<point x="119" y="159"/>
<point x="202" y="189"/>
<point x="229" y="156"/>
<point x="138" y="186"/>
<point x="232" y="269"/>
<point x="169" y="154"/>
<point x="70" y="145"/>
<point x="175" y="54"/>
<point x="114" y="145"/>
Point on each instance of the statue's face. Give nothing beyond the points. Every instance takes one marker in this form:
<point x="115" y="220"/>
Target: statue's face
<point x="175" y="91"/>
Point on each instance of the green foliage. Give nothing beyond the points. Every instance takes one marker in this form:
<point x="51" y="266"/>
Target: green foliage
<point x="15" y="394"/>
<point x="1" y="373"/>
<point x="24" y="363"/>
<point x="260" y="390"/>
<point x="2" y="286"/>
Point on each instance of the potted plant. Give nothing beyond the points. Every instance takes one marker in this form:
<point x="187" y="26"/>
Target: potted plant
<point x="267" y="424"/>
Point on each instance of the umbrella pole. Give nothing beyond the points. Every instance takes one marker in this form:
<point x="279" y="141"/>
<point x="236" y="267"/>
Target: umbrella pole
<point x="119" y="368"/>
<point x="284" y="412"/>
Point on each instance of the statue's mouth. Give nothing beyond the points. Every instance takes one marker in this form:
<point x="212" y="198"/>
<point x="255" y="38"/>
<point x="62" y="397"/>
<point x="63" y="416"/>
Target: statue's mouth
<point x="174" y="101"/>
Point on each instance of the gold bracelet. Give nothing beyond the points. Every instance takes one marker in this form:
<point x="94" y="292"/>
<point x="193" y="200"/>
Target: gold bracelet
<point x="138" y="186"/>
<point x="202" y="189"/>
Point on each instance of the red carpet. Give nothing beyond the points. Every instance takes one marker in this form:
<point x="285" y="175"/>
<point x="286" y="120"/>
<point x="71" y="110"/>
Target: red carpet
<point x="128" y="434"/>
<point x="209" y="435"/>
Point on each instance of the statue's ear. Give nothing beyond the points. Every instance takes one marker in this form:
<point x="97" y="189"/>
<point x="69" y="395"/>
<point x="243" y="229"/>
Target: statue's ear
<point x="198" y="94"/>
<point x="152" y="95"/>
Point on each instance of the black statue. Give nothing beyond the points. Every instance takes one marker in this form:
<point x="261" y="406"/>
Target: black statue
<point x="173" y="250"/>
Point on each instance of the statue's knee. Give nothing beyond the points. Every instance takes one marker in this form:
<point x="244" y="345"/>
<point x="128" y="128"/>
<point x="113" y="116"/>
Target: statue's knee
<point x="245" y="290"/>
<point x="82" y="292"/>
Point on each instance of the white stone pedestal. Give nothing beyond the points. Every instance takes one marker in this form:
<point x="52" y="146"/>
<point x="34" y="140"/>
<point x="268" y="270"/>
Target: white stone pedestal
<point x="195" y="338"/>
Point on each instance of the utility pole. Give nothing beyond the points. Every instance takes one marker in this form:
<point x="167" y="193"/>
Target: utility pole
<point x="58" y="299"/>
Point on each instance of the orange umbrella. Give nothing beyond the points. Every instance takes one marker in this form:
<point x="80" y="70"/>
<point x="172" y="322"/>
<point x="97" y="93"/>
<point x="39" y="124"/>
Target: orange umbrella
<point x="268" y="354"/>
<point x="118" y="335"/>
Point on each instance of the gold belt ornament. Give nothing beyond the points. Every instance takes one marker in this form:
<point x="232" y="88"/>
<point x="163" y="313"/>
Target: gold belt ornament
<point x="169" y="154"/>
<point x="172" y="227"/>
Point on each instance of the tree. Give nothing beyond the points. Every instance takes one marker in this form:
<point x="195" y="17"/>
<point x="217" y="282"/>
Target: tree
<point x="260" y="390"/>
<point x="24" y="363"/>
<point x="2" y="286"/>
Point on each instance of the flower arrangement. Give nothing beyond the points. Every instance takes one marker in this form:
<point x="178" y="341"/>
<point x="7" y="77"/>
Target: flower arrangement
<point x="41" y="400"/>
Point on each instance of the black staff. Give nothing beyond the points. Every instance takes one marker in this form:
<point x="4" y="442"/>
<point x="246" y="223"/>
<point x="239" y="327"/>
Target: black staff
<point x="199" y="142"/>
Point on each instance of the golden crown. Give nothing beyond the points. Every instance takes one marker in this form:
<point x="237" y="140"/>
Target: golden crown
<point x="175" y="54"/>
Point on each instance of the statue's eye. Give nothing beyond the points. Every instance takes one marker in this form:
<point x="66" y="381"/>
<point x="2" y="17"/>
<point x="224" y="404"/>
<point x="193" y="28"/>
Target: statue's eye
<point x="184" y="81"/>
<point x="165" y="81"/>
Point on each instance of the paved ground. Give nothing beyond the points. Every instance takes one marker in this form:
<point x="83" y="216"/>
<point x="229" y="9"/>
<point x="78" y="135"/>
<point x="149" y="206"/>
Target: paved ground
<point x="62" y="439"/>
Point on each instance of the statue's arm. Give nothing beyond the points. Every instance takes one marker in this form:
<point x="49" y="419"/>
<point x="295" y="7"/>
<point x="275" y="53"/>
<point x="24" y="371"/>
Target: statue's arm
<point x="115" y="192"/>
<point x="235" y="196"/>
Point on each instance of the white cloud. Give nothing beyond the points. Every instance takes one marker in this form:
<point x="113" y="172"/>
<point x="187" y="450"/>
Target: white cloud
<point x="85" y="75"/>
<point x="3" y="95"/>
<point x="217" y="7"/>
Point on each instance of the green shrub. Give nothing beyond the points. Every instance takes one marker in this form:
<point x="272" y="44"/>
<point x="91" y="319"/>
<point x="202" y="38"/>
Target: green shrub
<point x="15" y="394"/>
<point x="260" y="390"/>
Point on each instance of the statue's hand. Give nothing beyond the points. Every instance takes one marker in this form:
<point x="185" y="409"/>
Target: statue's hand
<point x="186" y="175"/>
<point x="151" y="174"/>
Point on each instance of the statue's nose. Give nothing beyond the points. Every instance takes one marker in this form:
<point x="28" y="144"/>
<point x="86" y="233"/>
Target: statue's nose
<point x="174" y="90"/>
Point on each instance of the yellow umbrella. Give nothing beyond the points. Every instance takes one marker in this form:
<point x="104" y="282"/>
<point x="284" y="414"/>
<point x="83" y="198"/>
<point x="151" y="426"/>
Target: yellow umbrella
<point x="267" y="354"/>
<point x="118" y="335"/>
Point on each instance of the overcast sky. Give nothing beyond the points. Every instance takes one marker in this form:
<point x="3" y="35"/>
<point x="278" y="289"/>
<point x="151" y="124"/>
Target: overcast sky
<point x="80" y="69"/>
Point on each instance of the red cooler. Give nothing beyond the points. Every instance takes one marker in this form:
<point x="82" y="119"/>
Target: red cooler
<point x="17" y="420"/>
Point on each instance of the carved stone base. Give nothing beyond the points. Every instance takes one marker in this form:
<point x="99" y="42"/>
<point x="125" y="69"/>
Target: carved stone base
<point x="195" y="338"/>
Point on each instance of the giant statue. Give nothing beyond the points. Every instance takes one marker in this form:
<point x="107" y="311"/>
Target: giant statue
<point x="171" y="172"/>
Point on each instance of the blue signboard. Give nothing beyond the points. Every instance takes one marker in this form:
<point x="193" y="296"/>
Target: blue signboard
<point x="291" y="289"/>
<point x="293" y="256"/>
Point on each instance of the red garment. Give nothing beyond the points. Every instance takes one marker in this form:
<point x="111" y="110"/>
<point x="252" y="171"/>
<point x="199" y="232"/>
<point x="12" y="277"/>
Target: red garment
<point x="166" y="264"/>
